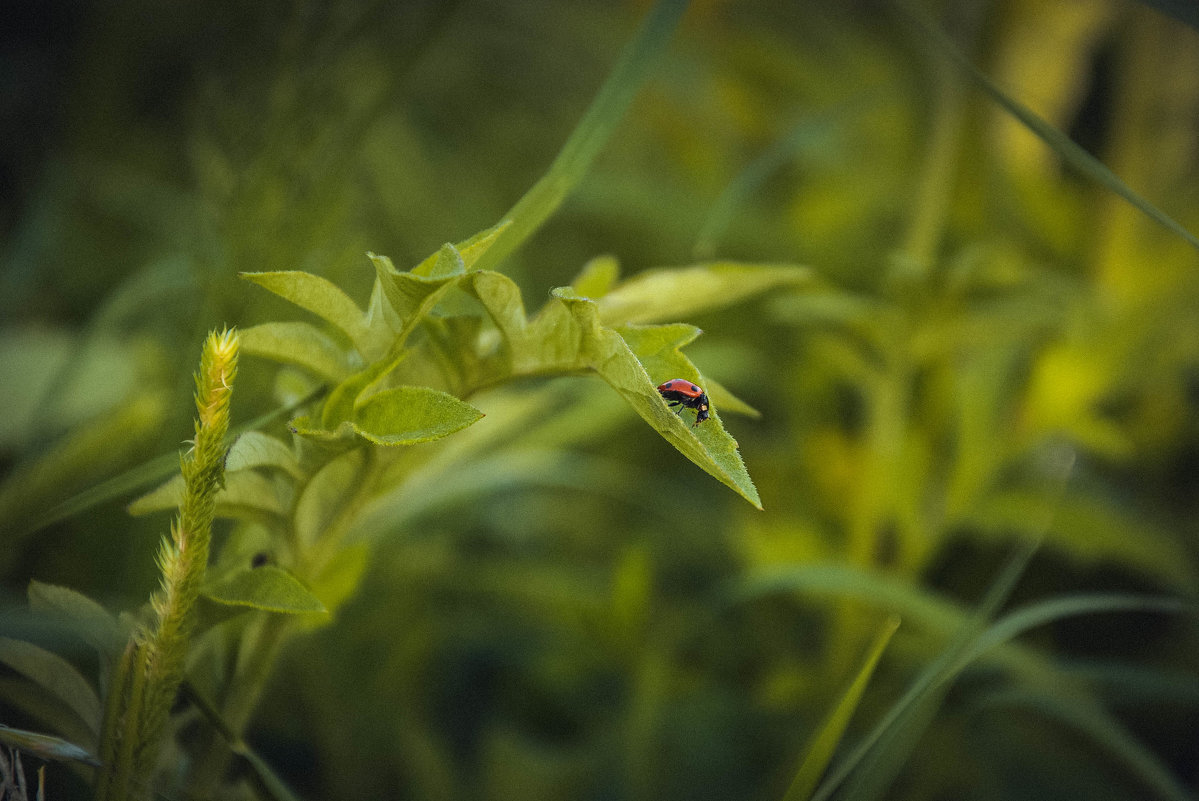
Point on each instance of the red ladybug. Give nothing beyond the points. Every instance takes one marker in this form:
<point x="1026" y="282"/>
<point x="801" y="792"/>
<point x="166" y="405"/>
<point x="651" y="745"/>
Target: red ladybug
<point x="680" y="392"/>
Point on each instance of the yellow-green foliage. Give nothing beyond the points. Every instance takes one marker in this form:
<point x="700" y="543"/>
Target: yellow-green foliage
<point x="943" y="259"/>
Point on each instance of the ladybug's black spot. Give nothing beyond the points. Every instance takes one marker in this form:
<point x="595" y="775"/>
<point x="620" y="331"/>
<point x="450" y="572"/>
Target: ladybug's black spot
<point x="694" y="388"/>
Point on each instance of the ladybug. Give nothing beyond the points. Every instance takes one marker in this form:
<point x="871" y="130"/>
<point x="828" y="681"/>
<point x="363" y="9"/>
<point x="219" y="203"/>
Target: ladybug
<point x="680" y="392"/>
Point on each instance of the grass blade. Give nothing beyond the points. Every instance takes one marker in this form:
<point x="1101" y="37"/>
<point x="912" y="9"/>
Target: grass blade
<point x="1102" y="729"/>
<point x="1074" y="154"/>
<point x="900" y="728"/>
<point x="820" y="751"/>
<point x="592" y="132"/>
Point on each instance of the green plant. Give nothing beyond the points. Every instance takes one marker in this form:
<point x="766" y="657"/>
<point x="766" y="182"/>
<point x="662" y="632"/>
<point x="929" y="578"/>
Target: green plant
<point x="407" y="599"/>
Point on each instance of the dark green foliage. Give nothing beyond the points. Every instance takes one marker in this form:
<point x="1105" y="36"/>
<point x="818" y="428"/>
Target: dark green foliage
<point x="461" y="548"/>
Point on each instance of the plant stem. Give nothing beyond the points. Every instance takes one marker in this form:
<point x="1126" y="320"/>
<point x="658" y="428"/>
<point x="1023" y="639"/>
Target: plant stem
<point x="590" y="135"/>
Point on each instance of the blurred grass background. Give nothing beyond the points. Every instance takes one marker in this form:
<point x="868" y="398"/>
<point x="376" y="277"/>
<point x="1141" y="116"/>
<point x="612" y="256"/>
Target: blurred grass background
<point x="570" y="634"/>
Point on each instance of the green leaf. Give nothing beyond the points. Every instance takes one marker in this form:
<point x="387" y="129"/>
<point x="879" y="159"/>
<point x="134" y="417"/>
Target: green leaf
<point x="300" y="344"/>
<point x="892" y="740"/>
<point x="342" y="401"/>
<point x="408" y="415"/>
<point x="326" y="494"/>
<point x="94" y="624"/>
<point x="319" y="296"/>
<point x="468" y="250"/>
<point x="411" y="295"/>
<point x="720" y="396"/>
<point x="819" y="752"/>
<point x="1090" y="529"/>
<point x="45" y="746"/>
<point x="101" y="445"/>
<point x="267" y="588"/>
<point x="1069" y="150"/>
<point x="339" y="580"/>
<point x="1043" y="613"/>
<point x="58" y="676"/>
<point x="254" y="449"/>
<point x="597" y="277"/>
<point x="618" y="358"/>
<point x="680" y="292"/>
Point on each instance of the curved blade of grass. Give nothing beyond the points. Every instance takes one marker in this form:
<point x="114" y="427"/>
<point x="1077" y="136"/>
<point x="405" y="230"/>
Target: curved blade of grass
<point x="1073" y="153"/>
<point x="1105" y="731"/>
<point x="893" y="738"/>
<point x="592" y="132"/>
<point x="820" y="751"/>
<point x="1039" y="614"/>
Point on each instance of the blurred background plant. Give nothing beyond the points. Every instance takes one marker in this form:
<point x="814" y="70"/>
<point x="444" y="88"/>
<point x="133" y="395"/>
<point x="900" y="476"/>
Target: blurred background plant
<point x="995" y="347"/>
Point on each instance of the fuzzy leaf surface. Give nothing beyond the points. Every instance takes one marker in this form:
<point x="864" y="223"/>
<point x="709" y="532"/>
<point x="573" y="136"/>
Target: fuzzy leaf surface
<point x="254" y="449"/>
<point x="317" y="295"/>
<point x="408" y="415"/>
<point x="268" y="588"/>
<point x="300" y="344"/>
<point x="630" y="359"/>
<point x="680" y="292"/>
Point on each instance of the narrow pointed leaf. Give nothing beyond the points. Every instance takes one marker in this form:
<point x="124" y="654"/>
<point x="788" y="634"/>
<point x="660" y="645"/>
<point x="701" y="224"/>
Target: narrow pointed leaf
<point x="45" y="746"/>
<point x="681" y="292"/>
<point x="597" y="277"/>
<point x="95" y="625"/>
<point x="721" y="396"/>
<point x="411" y="295"/>
<point x="343" y="399"/>
<point x="319" y="296"/>
<point x="820" y="751"/>
<point x="468" y="250"/>
<point x="1067" y="148"/>
<point x="589" y="136"/>
<point x="891" y="740"/>
<point x="58" y="676"/>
